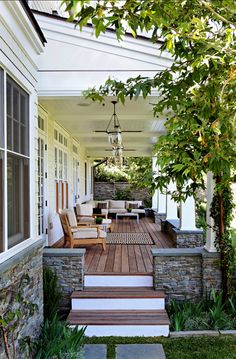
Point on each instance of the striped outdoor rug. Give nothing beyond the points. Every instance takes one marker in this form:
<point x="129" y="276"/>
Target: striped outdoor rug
<point x="129" y="238"/>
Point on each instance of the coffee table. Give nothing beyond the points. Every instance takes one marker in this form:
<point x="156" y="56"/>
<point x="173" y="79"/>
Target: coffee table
<point x="128" y="214"/>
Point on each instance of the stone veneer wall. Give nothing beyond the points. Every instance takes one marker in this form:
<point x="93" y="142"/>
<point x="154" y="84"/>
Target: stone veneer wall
<point x="23" y="273"/>
<point x="107" y="190"/>
<point x="182" y="238"/>
<point x="68" y="264"/>
<point x="186" y="273"/>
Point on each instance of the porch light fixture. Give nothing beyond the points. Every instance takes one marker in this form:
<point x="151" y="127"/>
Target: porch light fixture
<point x="113" y="129"/>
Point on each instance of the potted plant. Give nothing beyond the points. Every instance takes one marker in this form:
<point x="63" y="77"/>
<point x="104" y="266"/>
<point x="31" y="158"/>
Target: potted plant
<point x="129" y="210"/>
<point x="98" y="220"/>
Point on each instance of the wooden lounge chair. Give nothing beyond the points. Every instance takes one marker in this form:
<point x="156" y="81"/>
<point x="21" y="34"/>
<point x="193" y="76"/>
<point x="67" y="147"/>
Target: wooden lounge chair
<point x="82" y="235"/>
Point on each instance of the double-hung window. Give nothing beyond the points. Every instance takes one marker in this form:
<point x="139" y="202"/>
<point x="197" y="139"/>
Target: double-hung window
<point x="61" y="170"/>
<point x="14" y="164"/>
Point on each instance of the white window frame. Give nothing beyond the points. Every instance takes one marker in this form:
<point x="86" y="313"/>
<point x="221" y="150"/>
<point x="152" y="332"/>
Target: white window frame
<point x="61" y="172"/>
<point x="28" y="88"/>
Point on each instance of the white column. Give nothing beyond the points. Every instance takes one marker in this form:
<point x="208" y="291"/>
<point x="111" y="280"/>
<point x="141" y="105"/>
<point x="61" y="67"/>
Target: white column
<point x="155" y="173"/>
<point x="161" y="200"/>
<point x="187" y="215"/>
<point x="210" y="233"/>
<point x="171" y="205"/>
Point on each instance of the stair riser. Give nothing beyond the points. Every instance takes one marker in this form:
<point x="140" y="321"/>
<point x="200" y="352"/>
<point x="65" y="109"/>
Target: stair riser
<point x="127" y="330"/>
<point x="118" y="304"/>
<point x="117" y="281"/>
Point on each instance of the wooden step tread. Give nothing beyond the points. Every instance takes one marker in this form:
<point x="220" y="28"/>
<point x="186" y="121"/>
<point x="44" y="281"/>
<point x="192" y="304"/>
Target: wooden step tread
<point x="118" y="292"/>
<point x="123" y="274"/>
<point x="118" y="317"/>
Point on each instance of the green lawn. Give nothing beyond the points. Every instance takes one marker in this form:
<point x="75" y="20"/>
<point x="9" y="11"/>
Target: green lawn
<point x="185" y="348"/>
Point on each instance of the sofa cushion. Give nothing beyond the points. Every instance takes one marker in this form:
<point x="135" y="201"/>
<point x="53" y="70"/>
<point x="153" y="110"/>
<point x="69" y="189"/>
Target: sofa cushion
<point x="116" y="204"/>
<point x="85" y="209"/>
<point x="129" y="203"/>
<point x="117" y="210"/>
<point x="133" y="205"/>
<point x="138" y="210"/>
<point x="102" y="205"/>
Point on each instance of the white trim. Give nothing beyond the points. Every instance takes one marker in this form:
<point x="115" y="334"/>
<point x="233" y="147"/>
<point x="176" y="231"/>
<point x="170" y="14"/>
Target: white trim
<point x="16" y="249"/>
<point x="118" y="281"/>
<point x="19" y="13"/>
<point x="118" y="304"/>
<point x="5" y="212"/>
<point x="64" y="31"/>
<point x="19" y="154"/>
<point x="126" y="330"/>
<point x="45" y="93"/>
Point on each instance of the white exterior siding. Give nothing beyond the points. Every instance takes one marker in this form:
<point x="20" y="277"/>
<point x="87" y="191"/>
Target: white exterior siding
<point x="20" y="47"/>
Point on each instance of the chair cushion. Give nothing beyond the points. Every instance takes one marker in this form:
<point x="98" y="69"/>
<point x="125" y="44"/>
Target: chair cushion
<point x="102" y="234"/>
<point x="70" y="213"/>
<point x="116" y="204"/>
<point x="83" y="233"/>
<point x="104" y="210"/>
<point x="85" y="209"/>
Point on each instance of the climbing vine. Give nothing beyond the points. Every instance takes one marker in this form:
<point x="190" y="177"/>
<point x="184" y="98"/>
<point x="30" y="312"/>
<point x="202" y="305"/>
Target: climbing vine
<point x="223" y="198"/>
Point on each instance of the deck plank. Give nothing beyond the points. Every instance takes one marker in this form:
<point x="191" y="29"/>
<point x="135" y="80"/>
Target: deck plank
<point x="126" y="258"/>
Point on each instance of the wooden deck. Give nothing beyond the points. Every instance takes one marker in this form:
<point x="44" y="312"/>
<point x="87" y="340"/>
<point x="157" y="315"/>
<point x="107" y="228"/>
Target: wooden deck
<point x="126" y="259"/>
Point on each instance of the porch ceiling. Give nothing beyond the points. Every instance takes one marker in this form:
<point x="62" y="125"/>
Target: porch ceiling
<point x="81" y="121"/>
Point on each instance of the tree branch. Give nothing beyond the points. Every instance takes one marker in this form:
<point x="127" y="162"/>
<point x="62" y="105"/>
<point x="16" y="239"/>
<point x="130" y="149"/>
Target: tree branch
<point x="220" y="17"/>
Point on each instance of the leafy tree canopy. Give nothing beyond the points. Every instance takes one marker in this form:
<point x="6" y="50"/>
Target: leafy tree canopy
<point x="136" y="170"/>
<point x="197" y="93"/>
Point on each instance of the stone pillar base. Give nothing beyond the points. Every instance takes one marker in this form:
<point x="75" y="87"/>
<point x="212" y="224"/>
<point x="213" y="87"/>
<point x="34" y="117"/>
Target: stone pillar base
<point x="188" y="239"/>
<point x="158" y="217"/>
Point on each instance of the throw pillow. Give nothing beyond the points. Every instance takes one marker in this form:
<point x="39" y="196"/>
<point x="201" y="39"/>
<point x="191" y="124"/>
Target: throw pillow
<point x="102" y="205"/>
<point x="133" y="205"/>
<point x="97" y="211"/>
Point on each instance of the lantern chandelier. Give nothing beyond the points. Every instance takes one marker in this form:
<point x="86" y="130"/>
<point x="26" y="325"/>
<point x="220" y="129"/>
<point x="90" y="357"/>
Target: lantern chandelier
<point x="113" y="129"/>
<point x="114" y="133"/>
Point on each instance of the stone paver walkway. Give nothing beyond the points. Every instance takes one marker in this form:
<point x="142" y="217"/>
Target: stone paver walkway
<point x="92" y="351"/>
<point x="140" y="351"/>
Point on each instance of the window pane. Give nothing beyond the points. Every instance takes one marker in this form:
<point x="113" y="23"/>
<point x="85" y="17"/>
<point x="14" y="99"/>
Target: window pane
<point x="16" y="103"/>
<point x="9" y="133"/>
<point x="1" y="201"/>
<point x="17" y="118"/>
<point x="16" y="129"/>
<point x="18" y="199"/>
<point x="1" y="109"/>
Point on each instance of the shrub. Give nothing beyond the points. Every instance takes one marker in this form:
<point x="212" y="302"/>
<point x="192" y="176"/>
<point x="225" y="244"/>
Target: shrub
<point x="58" y="340"/>
<point x="210" y="313"/>
<point x="51" y="293"/>
<point x="125" y="195"/>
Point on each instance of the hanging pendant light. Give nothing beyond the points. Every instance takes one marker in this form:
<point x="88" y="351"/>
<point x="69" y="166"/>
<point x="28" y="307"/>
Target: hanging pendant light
<point x="113" y="129"/>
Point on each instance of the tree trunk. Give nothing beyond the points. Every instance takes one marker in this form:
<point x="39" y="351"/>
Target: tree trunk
<point x="223" y="258"/>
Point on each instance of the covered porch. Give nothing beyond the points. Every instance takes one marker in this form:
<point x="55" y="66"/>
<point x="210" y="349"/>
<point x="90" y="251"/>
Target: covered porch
<point x="126" y="258"/>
